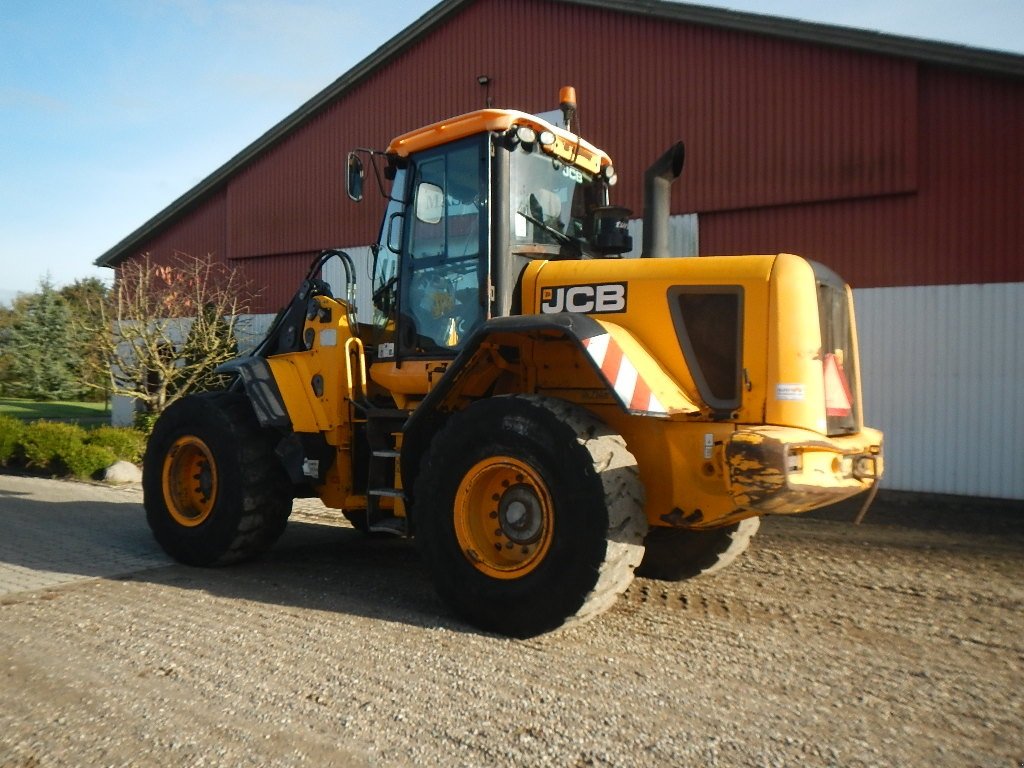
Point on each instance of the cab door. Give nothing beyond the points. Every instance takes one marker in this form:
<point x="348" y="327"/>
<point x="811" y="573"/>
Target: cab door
<point x="444" y="266"/>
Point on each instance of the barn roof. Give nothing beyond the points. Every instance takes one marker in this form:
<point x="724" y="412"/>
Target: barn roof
<point x="941" y="54"/>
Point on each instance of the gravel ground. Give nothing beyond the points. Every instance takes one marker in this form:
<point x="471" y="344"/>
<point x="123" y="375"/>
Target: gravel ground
<point x="827" y="644"/>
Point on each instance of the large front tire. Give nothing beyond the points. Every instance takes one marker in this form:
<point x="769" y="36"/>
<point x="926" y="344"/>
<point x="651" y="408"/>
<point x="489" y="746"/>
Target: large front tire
<point x="529" y="514"/>
<point x="674" y="554"/>
<point x="215" y="493"/>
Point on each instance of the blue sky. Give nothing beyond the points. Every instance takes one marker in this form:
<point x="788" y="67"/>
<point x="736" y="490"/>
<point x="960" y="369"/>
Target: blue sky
<point x="109" y="110"/>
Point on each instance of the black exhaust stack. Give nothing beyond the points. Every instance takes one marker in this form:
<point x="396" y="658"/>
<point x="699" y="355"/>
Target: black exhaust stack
<point x="657" y="196"/>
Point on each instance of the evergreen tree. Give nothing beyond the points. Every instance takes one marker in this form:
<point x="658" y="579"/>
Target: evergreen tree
<point x="40" y="351"/>
<point x="7" y="317"/>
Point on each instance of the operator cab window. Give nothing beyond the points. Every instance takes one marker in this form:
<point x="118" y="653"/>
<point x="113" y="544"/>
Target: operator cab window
<point x="442" y="298"/>
<point x="551" y="201"/>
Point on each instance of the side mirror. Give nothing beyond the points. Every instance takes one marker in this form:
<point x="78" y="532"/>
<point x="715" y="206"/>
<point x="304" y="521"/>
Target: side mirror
<point x="354" y="180"/>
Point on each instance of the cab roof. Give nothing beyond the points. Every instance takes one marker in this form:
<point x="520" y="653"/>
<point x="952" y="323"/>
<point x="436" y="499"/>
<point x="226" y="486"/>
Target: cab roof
<point x="566" y="145"/>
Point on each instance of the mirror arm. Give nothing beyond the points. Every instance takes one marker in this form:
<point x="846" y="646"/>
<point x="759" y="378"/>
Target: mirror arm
<point x="373" y="154"/>
<point x="376" y="173"/>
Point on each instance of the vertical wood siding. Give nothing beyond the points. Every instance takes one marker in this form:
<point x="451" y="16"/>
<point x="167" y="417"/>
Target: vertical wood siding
<point x="893" y="173"/>
<point x="735" y="97"/>
<point x="963" y="224"/>
<point x="200" y="232"/>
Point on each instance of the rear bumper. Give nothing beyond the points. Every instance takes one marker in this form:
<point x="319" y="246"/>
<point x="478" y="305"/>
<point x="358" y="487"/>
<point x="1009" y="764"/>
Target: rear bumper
<point x="782" y="470"/>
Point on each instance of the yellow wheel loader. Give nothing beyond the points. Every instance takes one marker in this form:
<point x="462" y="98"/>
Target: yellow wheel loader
<point x="542" y="415"/>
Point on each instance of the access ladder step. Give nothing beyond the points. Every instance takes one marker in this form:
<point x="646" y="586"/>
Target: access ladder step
<point x="393" y="415"/>
<point x="391" y="493"/>
<point x="386" y="453"/>
<point x="395" y="526"/>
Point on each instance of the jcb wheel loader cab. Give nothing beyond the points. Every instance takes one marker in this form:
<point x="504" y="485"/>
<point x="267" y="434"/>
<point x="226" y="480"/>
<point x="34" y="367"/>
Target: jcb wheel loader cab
<point x="215" y="492"/>
<point x="529" y="512"/>
<point x="473" y="201"/>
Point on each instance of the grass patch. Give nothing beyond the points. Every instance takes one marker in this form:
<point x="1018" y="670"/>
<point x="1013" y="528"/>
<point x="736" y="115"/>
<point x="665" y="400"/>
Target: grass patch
<point x="84" y="413"/>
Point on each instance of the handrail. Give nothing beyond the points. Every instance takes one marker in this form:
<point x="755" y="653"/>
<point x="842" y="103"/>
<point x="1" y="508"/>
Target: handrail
<point x="355" y="341"/>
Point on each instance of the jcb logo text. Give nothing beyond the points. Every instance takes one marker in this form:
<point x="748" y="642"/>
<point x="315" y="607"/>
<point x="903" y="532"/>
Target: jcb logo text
<point x="605" y="297"/>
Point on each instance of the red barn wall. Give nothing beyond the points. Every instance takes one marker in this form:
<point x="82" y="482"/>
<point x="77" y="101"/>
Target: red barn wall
<point x="200" y="232"/>
<point x="891" y="171"/>
<point x="963" y="223"/>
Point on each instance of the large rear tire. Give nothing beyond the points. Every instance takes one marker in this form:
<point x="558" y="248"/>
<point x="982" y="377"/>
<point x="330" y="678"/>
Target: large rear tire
<point x="674" y="554"/>
<point x="529" y="513"/>
<point x="215" y="493"/>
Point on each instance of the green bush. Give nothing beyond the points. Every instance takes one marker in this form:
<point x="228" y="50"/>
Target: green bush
<point x="11" y="430"/>
<point x="145" y="420"/>
<point x="66" y="449"/>
<point x="125" y="444"/>
<point x="85" y="460"/>
<point x="46" y="443"/>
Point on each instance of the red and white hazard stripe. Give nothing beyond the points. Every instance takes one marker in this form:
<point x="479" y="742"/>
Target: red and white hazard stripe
<point x="622" y="375"/>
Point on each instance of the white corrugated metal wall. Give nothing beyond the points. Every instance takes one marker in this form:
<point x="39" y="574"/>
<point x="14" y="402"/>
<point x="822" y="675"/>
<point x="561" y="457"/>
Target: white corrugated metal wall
<point x="683" y="236"/>
<point x="363" y="259"/>
<point x="943" y="368"/>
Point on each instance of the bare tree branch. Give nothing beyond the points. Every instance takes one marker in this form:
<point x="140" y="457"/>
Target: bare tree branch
<point x="169" y="326"/>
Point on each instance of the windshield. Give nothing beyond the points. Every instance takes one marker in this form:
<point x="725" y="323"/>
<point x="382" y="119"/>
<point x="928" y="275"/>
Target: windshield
<point x="550" y="200"/>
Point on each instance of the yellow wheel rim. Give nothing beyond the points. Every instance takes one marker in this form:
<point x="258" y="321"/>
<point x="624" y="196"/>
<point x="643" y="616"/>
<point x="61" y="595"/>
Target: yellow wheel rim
<point x="189" y="481"/>
<point x="503" y="518"/>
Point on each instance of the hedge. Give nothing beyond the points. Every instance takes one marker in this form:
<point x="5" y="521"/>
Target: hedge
<point x="60" y="449"/>
<point x="126" y="444"/>
<point x="11" y="430"/>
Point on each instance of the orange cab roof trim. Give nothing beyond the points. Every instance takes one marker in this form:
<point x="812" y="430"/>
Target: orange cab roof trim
<point x="482" y="120"/>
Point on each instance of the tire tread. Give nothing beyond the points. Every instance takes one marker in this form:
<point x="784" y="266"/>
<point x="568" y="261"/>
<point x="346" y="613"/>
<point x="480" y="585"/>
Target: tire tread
<point x="263" y="491"/>
<point x="623" y="495"/>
